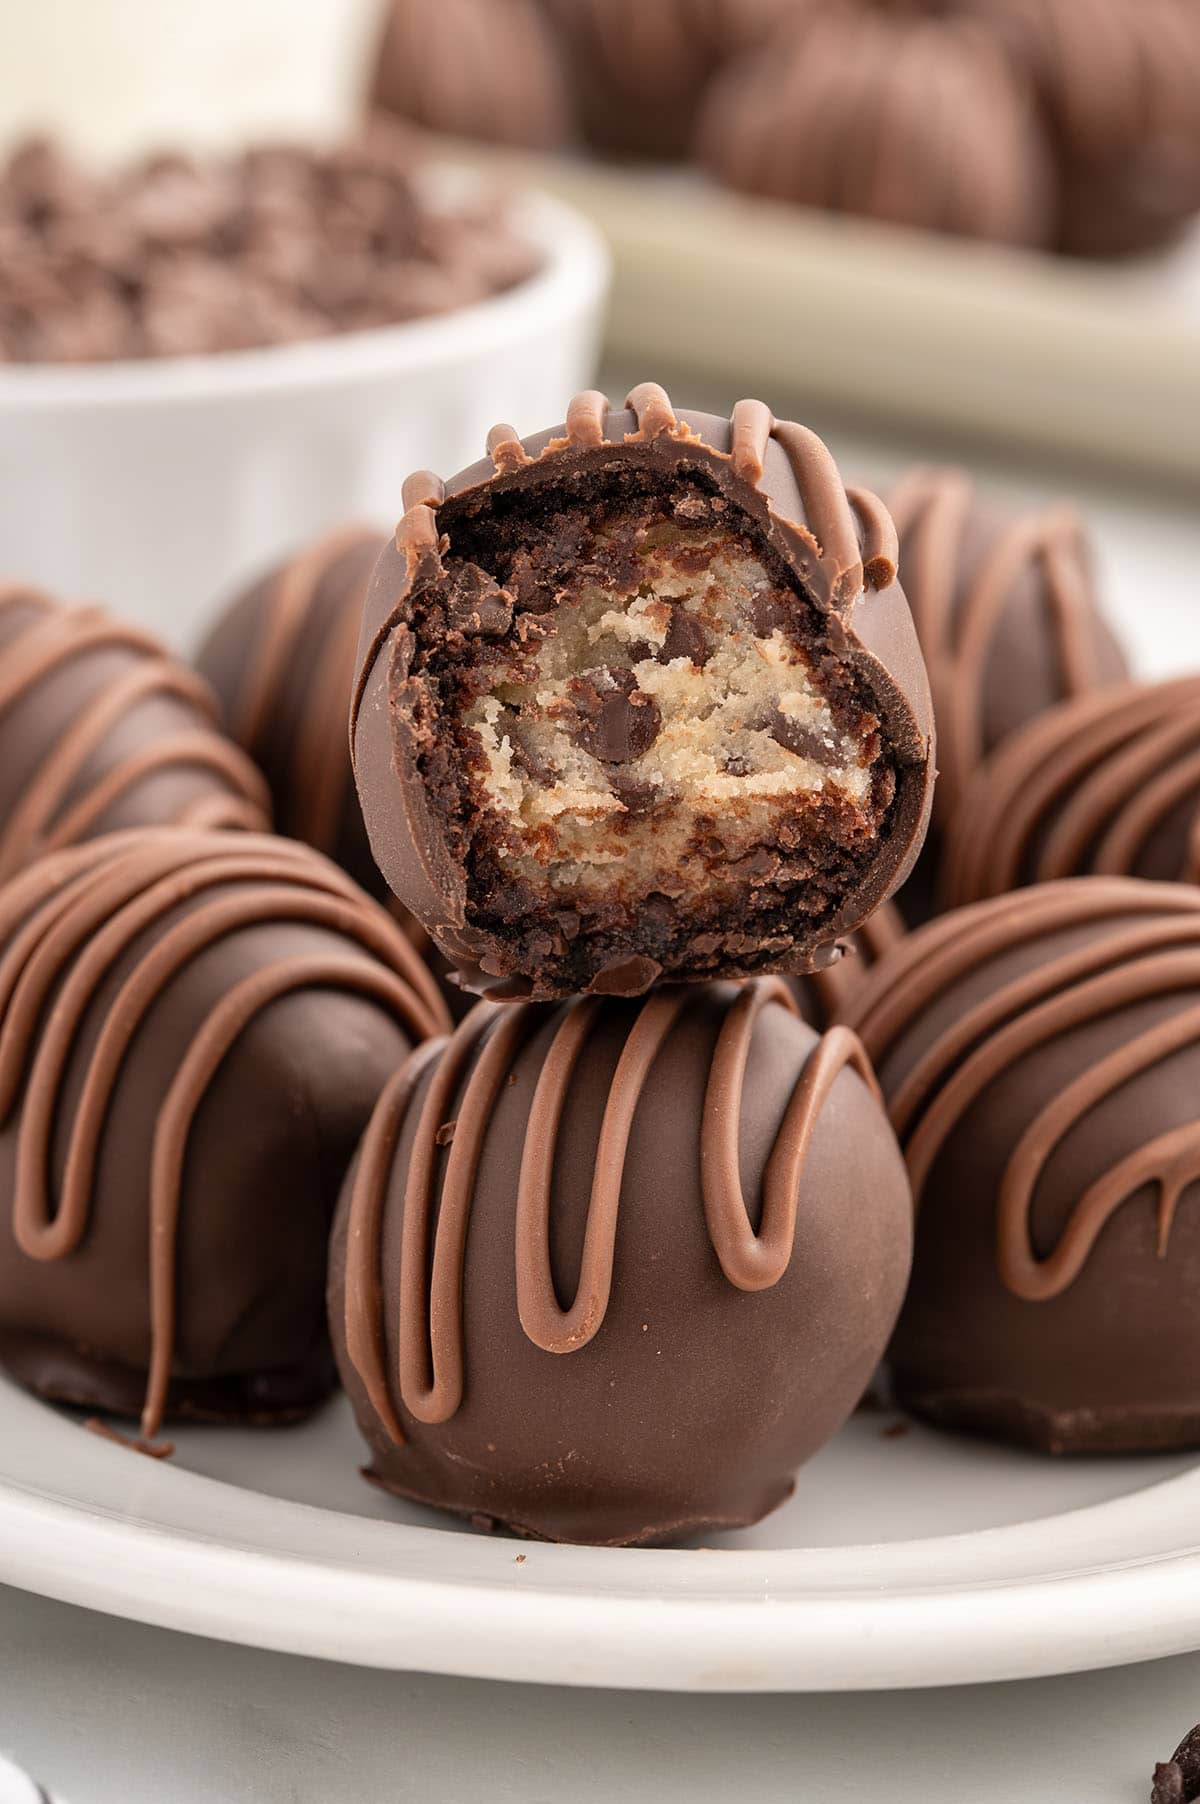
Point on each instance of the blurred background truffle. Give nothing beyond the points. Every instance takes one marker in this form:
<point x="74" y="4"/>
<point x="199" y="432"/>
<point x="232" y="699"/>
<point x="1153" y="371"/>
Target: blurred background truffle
<point x="476" y="68"/>
<point x="916" y="121"/>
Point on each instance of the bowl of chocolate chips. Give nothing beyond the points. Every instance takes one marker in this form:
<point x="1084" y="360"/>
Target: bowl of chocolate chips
<point x="204" y="357"/>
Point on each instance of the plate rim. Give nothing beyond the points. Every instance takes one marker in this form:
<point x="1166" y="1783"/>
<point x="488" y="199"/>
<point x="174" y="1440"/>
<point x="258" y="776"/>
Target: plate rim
<point x="299" y="1578"/>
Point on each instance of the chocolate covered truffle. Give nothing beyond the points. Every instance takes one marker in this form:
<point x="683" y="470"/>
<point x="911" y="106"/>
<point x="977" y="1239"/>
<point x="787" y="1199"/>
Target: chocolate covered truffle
<point x="194" y="1029"/>
<point x="1119" y="88"/>
<point x="915" y="121"/>
<point x="281" y="660"/>
<point x="488" y="69"/>
<point x="1009" y="619"/>
<point x="1040" y="1058"/>
<point x="610" y="1272"/>
<point x="100" y="729"/>
<point x="1108" y="784"/>
<point x="639" y="69"/>
<point x="639" y="699"/>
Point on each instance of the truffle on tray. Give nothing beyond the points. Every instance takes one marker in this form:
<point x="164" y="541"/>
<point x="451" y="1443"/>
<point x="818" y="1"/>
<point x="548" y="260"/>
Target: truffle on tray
<point x="640" y="699"/>
<point x="100" y="728"/>
<point x="1040" y="1055"/>
<point x="194" y="1029"/>
<point x="611" y="1271"/>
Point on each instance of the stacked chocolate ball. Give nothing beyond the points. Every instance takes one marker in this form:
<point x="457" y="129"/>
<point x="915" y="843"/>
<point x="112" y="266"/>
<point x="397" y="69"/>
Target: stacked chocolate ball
<point x="1067" y="124"/>
<point x="638" y="712"/>
<point x="641" y="739"/>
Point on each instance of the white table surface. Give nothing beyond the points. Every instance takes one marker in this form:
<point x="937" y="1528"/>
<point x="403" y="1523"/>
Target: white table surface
<point x="109" y="1712"/>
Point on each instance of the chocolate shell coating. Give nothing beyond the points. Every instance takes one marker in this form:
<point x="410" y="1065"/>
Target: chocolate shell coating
<point x="438" y="610"/>
<point x="100" y="730"/>
<point x="1040" y="1056"/>
<point x="917" y="121"/>
<point x="823" y="997"/>
<point x="610" y="1272"/>
<point x="1009" y="619"/>
<point x="487" y="69"/>
<point x="1105" y="785"/>
<point x="194" y="1029"/>
<point x="281" y="660"/>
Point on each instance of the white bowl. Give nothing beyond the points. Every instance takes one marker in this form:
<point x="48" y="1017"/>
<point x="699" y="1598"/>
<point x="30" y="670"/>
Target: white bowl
<point x="155" y="485"/>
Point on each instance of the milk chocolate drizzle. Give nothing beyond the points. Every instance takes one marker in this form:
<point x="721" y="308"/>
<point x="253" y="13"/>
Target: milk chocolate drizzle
<point x="469" y="1072"/>
<point x="60" y="805"/>
<point x="1147" y="944"/>
<point x="65" y="924"/>
<point x="957" y="628"/>
<point x="850" y="531"/>
<point x="320" y="784"/>
<point x="1081" y="790"/>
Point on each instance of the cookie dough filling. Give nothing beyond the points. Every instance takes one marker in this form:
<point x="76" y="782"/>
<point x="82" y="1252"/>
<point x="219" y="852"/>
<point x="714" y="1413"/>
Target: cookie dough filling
<point x="650" y="729"/>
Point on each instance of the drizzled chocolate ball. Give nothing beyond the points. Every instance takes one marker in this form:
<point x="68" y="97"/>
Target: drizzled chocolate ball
<point x="194" y="1029"/>
<point x="281" y="661"/>
<point x="1107" y="784"/>
<point x="100" y="729"/>
<point x="487" y="69"/>
<point x="1040" y="1057"/>
<point x="919" y="121"/>
<point x="639" y="69"/>
<point x="639" y="699"/>
<point x="1119" y="90"/>
<point x="1009" y="619"/>
<point x="610" y="1272"/>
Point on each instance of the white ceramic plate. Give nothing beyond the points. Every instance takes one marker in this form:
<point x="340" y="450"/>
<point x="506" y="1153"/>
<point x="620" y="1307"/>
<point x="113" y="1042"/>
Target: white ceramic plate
<point x="903" y="1559"/>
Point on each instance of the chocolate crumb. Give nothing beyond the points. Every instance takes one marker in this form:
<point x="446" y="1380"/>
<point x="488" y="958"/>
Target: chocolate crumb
<point x="520" y="1559"/>
<point x="445" y="1133"/>
<point x="1177" y="1781"/>
<point x="476" y="605"/>
<point x="1168" y="1785"/>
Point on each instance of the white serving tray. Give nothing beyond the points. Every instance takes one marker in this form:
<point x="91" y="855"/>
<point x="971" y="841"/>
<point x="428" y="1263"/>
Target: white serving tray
<point x="1019" y="347"/>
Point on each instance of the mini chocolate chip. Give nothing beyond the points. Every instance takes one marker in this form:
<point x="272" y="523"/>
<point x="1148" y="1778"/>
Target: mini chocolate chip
<point x="634" y="794"/>
<point x="526" y="758"/>
<point x="476" y="605"/>
<point x="686" y="638"/>
<point x="614" y="720"/>
<point x="738" y="765"/>
<point x="795" y="737"/>
<point x="769" y="611"/>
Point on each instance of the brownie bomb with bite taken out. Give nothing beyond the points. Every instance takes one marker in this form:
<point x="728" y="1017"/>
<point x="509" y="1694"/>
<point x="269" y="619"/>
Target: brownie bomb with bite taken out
<point x="639" y="699"/>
